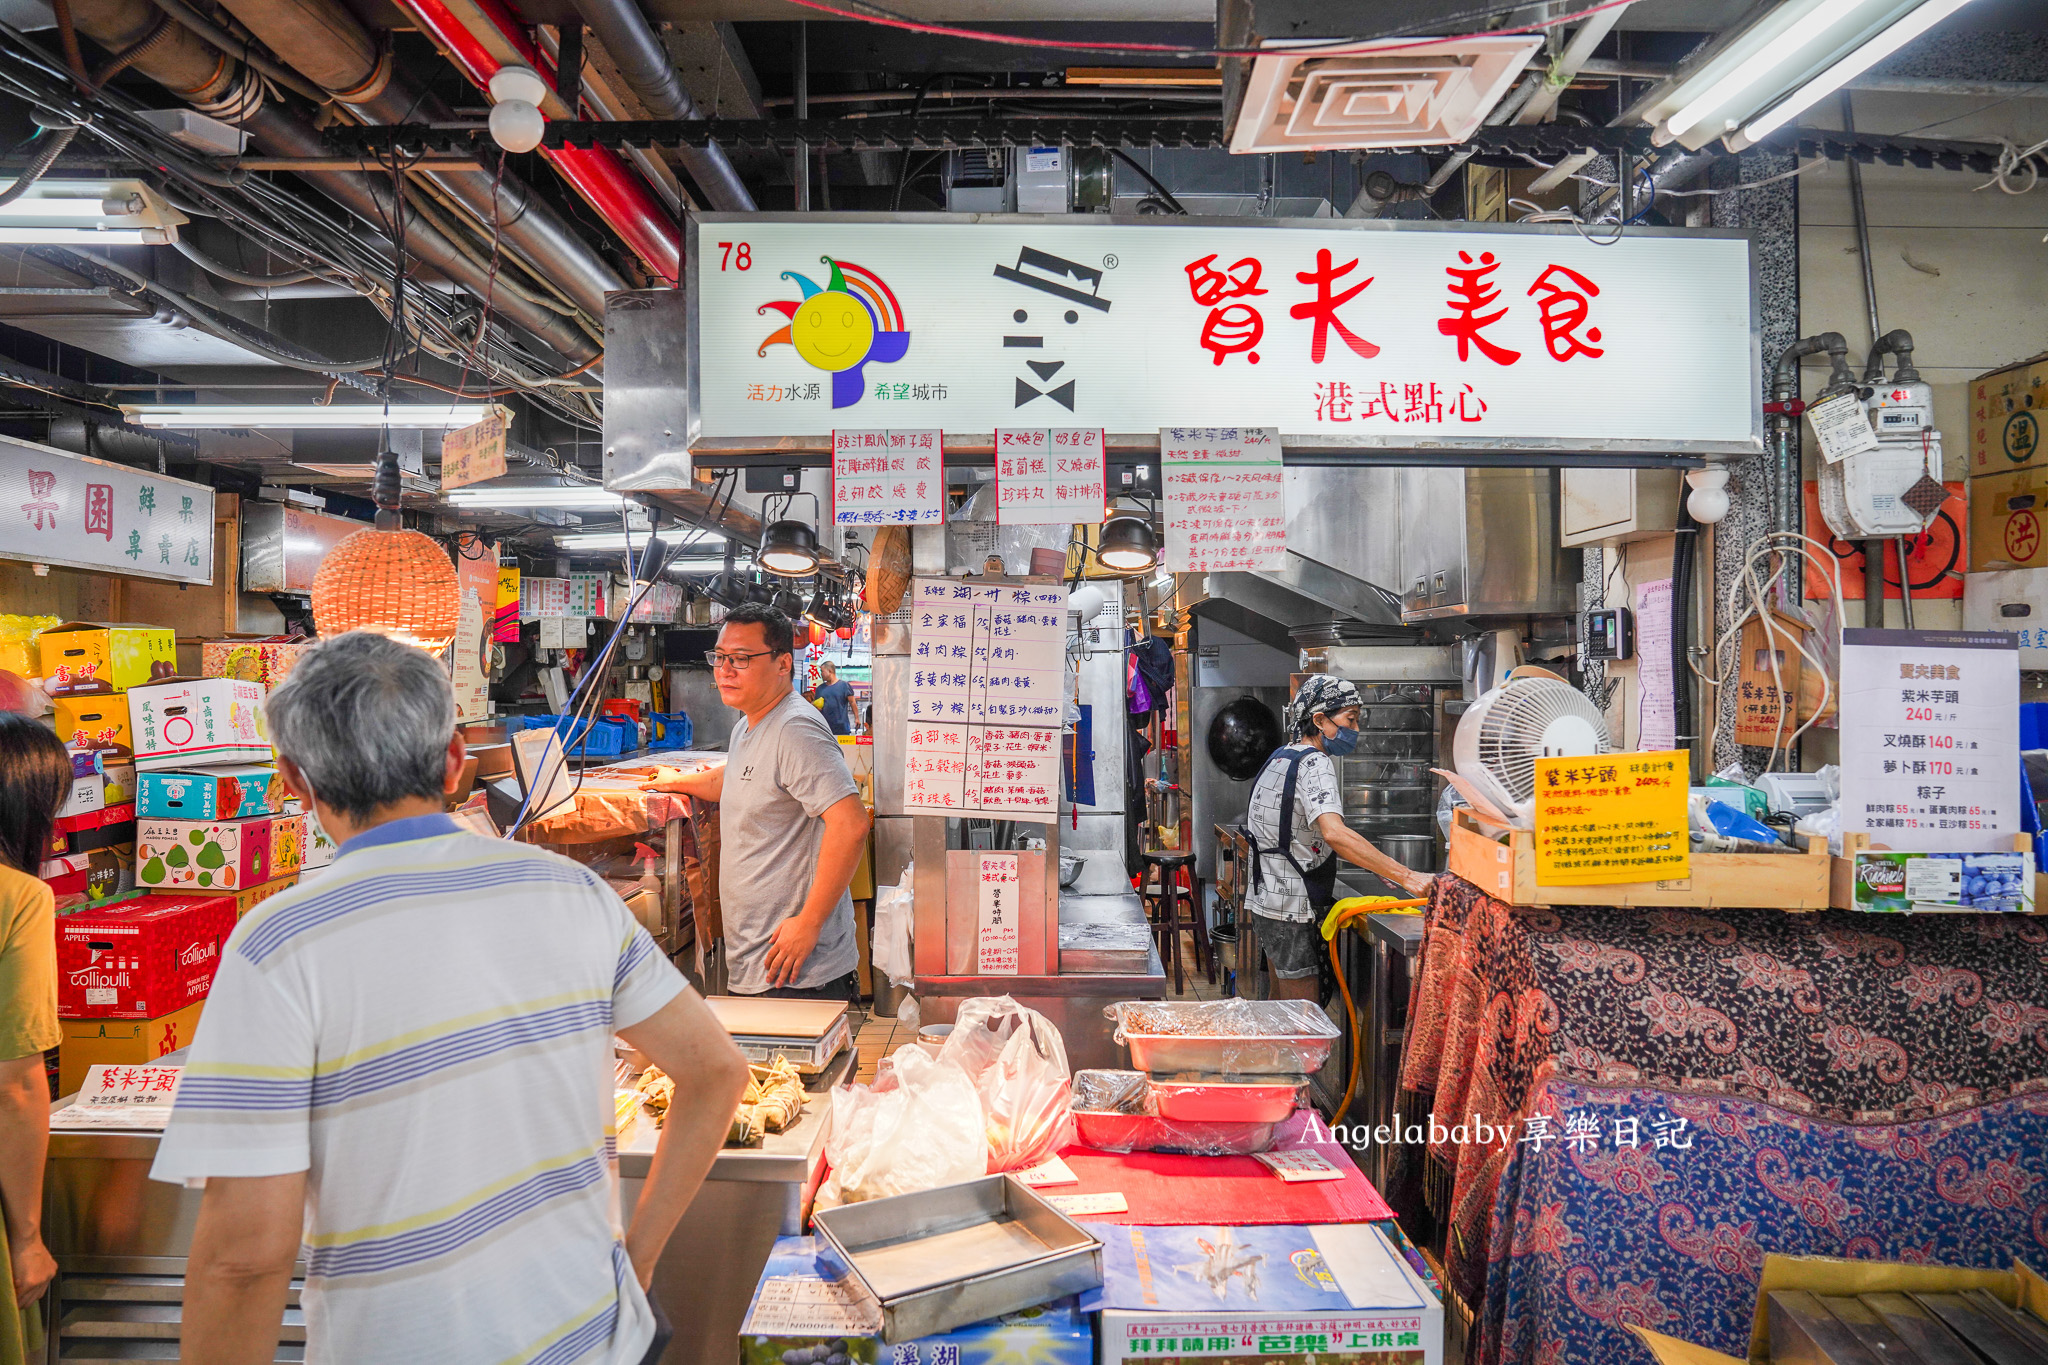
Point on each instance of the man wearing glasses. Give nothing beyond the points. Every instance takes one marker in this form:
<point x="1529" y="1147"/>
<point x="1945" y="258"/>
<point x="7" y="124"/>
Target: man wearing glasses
<point x="792" y="825"/>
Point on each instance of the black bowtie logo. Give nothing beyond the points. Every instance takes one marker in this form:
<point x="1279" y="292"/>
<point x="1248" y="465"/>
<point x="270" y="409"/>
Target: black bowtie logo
<point x="1046" y="369"/>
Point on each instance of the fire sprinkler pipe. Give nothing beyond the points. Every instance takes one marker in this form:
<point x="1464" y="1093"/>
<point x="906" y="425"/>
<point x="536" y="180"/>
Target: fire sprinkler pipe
<point x="619" y="196"/>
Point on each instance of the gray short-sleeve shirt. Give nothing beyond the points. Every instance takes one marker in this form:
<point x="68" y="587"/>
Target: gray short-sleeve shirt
<point x="780" y="777"/>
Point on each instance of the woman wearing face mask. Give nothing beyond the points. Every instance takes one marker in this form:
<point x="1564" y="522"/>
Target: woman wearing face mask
<point x="1296" y="822"/>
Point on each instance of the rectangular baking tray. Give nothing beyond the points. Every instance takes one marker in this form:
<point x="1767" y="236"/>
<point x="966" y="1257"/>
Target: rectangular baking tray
<point x="1108" y="1132"/>
<point x="1298" y="1053"/>
<point x="1225" y="1099"/>
<point x="960" y="1254"/>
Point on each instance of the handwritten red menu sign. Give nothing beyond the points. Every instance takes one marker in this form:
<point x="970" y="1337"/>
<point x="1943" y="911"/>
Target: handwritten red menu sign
<point x="888" y="478"/>
<point x="1049" y="476"/>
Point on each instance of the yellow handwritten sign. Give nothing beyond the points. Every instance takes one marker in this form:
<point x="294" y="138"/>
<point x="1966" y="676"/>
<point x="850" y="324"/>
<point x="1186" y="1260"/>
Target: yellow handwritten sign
<point x="475" y="453"/>
<point x="1611" y="818"/>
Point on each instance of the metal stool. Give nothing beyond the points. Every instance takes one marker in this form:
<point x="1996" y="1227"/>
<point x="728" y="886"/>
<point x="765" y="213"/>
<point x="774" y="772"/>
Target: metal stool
<point x="1163" y="910"/>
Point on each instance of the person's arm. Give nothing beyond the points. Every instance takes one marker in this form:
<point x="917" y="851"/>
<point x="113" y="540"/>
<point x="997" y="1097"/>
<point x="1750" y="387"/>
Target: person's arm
<point x="706" y="783"/>
<point x="24" y="1141"/>
<point x="1356" y="849"/>
<point x="243" y="1245"/>
<point x="846" y="833"/>
<point x="687" y="1042"/>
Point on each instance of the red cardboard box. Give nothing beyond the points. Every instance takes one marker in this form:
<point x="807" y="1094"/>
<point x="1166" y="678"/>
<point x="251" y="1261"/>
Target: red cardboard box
<point x="141" y="957"/>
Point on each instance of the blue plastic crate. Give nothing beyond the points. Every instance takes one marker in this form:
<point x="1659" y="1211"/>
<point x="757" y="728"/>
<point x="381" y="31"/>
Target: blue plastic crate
<point x="669" y="731"/>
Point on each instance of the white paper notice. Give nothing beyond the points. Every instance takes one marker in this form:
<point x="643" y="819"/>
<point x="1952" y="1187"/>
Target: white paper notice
<point x="1657" y="719"/>
<point x="122" y="1097"/>
<point x="1298" y="1165"/>
<point x="888" y="478"/>
<point x="997" y="891"/>
<point x="1049" y="477"/>
<point x="935" y="768"/>
<point x="1841" y="427"/>
<point x="1928" y="719"/>
<point x="1225" y="498"/>
<point x="1081" y="1205"/>
<point x="806" y="1306"/>
<point x="1052" y="1171"/>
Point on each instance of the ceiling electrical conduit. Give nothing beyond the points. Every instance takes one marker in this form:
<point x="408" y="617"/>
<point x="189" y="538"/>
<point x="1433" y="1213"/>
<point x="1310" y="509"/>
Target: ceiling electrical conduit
<point x="330" y="47"/>
<point x="620" y="197"/>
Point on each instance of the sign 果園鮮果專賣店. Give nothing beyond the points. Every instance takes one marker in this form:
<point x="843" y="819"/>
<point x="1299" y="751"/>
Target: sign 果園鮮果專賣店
<point x="87" y="514"/>
<point x="1930" y="739"/>
<point x="1606" y="819"/>
<point x="1383" y="335"/>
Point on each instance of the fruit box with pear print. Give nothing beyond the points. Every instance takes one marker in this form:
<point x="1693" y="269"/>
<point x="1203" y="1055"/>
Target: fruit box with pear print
<point x="217" y="855"/>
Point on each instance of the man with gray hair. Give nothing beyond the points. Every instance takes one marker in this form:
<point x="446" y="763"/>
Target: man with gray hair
<point x="407" y="1067"/>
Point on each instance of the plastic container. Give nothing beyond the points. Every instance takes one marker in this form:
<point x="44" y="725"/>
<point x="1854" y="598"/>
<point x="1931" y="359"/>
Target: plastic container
<point x="1150" y="1133"/>
<point x="600" y="738"/>
<point x="1217" y="1099"/>
<point x="1225" y="1037"/>
<point x="669" y="731"/>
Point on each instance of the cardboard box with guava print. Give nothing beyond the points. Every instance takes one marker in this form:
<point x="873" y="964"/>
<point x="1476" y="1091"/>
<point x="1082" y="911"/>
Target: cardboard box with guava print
<point x="217" y="855"/>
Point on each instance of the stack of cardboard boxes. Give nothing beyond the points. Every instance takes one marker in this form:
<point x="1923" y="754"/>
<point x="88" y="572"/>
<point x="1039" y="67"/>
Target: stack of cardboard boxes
<point x="2007" y="587"/>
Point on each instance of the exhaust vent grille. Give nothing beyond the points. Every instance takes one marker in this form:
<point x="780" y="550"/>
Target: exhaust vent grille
<point x="1397" y="94"/>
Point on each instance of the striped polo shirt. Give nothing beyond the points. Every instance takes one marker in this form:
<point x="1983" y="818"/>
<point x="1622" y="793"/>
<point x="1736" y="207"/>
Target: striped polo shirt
<point x="426" y="1031"/>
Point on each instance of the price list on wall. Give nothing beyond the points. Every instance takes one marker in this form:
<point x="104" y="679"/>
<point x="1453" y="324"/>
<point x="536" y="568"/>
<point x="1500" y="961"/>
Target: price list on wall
<point x="1225" y="498"/>
<point x="986" y="707"/>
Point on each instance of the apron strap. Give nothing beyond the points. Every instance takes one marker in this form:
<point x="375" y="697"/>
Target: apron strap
<point x="1286" y="848"/>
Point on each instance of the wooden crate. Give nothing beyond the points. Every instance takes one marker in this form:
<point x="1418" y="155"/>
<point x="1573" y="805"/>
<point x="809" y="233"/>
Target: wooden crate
<point x="1774" y="881"/>
<point x="1841" y="879"/>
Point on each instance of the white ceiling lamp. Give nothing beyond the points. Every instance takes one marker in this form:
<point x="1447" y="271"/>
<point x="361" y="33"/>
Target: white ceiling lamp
<point x="1844" y="71"/>
<point x="555" y="497"/>
<point x="1793" y="45"/>
<point x="517" y="123"/>
<point x="306" y="416"/>
<point x="89" y="213"/>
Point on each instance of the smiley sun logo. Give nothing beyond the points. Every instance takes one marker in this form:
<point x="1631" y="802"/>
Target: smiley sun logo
<point x="854" y="319"/>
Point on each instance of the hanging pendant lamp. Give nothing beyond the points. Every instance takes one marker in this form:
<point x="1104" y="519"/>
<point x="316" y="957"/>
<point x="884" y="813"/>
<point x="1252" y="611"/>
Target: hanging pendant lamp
<point x="388" y="579"/>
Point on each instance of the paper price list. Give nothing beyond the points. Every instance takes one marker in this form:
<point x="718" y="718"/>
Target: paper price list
<point x="1004" y="770"/>
<point x="888" y="478"/>
<point x="1049" y="476"/>
<point x="1225" y="498"/>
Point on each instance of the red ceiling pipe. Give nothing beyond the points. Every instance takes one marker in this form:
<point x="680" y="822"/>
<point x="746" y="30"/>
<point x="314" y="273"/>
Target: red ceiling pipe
<point x="480" y="36"/>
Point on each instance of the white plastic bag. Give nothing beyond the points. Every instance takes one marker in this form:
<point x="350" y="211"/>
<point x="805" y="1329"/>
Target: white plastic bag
<point x="917" y="1127"/>
<point x="892" y="929"/>
<point x="1018" y="1064"/>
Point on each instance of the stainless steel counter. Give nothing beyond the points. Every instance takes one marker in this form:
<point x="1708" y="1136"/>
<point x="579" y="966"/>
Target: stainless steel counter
<point x="121" y="1239"/>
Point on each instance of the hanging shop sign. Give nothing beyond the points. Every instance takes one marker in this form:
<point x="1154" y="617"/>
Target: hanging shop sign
<point x="475" y="453"/>
<point x="888" y="478"/>
<point x="87" y="514"/>
<point x="1609" y="819"/>
<point x="1049" y="476"/>
<point x="1366" y="334"/>
<point x="1929" y="720"/>
<point x="1226" y="499"/>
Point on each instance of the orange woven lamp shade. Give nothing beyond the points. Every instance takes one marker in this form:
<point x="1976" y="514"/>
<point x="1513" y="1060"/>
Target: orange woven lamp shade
<point x="397" y="583"/>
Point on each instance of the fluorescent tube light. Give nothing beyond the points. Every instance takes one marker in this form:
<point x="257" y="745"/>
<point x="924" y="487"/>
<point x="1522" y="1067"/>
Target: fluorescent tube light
<point x="1788" y="47"/>
<point x="54" y="212"/>
<point x="564" y="497"/>
<point x="616" y="540"/>
<point x="234" y="416"/>
<point x="1846" y="70"/>
<point x="11" y="235"/>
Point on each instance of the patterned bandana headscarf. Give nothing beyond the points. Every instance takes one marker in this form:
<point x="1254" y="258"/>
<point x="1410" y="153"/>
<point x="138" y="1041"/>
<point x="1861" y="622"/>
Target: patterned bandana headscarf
<point x="1320" y="694"/>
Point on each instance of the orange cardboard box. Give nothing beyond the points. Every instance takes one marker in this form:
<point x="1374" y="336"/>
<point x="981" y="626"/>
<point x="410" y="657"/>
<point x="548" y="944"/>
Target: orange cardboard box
<point x="86" y="656"/>
<point x="2009" y="418"/>
<point x="120" y="1042"/>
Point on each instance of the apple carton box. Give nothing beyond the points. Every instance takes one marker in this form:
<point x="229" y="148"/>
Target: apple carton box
<point x="85" y="656"/>
<point x="224" y="793"/>
<point x="217" y="855"/>
<point x="141" y="957"/>
<point x="186" y="721"/>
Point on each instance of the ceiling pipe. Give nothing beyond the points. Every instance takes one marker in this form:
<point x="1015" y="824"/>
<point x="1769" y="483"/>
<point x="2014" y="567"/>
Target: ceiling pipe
<point x="645" y="68"/>
<point x="219" y="86"/>
<point x="330" y="47"/>
<point x="1583" y="40"/>
<point x="480" y="37"/>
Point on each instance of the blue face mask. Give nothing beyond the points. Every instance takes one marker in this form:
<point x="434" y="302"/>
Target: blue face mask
<point x="1341" y="743"/>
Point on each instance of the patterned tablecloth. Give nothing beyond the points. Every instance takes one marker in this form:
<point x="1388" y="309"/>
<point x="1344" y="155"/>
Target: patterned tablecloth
<point x="1675" y="1093"/>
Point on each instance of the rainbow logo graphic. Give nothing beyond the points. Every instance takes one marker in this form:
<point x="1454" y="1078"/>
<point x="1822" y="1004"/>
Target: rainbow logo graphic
<point x="854" y="319"/>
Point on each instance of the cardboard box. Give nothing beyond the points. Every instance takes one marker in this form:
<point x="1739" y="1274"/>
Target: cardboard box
<point x="320" y="849"/>
<point x="93" y="722"/>
<point x="229" y="792"/>
<point x="88" y="794"/>
<point x="92" y="820"/>
<point x="120" y="778"/>
<point x="2009" y="520"/>
<point x="120" y="1042"/>
<point x="268" y="659"/>
<point x="140" y="957"/>
<point x="2009" y="417"/>
<point x="86" y="656"/>
<point x="217" y="855"/>
<point x="1320" y="1292"/>
<point x="251" y="897"/>
<point x="198" y="721"/>
<point x="2013" y="602"/>
<point x="1056" y="1333"/>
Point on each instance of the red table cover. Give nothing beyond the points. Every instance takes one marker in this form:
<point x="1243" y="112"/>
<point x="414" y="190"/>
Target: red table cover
<point x="1166" y="1190"/>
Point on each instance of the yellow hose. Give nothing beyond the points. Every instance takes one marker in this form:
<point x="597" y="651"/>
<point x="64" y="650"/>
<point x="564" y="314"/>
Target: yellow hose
<point x="1344" y="913"/>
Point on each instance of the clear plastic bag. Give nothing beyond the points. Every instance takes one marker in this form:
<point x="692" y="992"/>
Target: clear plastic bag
<point x="892" y="929"/>
<point x="1239" y="1037"/>
<point x="1113" y="1092"/>
<point x="1150" y="1133"/>
<point x="917" y="1127"/>
<point x="1018" y="1064"/>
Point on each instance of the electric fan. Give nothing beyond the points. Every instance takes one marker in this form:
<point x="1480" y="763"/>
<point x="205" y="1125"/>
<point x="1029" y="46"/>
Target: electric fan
<point x="1535" y="714"/>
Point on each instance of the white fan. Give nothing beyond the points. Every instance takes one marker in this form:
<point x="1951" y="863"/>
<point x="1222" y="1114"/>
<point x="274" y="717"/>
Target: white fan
<point x="1535" y="714"/>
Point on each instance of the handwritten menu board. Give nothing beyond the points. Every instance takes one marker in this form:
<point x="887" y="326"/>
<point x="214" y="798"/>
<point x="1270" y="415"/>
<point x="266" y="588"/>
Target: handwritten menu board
<point x="1606" y="819"/>
<point x="1049" y="476"/>
<point x="888" y="478"/>
<point x="987" y="702"/>
<point x="996" y="891"/>
<point x="1225" y="498"/>
<point x="1929" y="720"/>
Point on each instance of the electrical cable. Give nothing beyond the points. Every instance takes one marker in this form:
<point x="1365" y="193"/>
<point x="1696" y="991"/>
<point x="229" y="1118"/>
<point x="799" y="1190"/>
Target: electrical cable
<point x="229" y="45"/>
<point x="1164" y="193"/>
<point x="134" y="52"/>
<point x="233" y="276"/>
<point x="59" y="139"/>
<point x="1759" y="606"/>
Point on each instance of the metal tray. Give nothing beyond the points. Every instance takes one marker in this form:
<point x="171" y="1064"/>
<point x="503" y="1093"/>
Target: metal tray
<point x="1226" y="1099"/>
<point x="1150" y="1133"/>
<point x="1245" y="1053"/>
<point x="941" y="1259"/>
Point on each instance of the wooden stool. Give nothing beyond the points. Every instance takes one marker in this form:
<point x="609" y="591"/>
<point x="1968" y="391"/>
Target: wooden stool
<point x="1163" y="911"/>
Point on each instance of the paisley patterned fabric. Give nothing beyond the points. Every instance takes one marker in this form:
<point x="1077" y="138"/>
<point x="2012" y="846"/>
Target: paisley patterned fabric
<point x="1839" y="1025"/>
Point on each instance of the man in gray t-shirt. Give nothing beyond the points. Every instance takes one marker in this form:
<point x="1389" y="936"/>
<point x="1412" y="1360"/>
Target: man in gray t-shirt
<point x="792" y="825"/>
